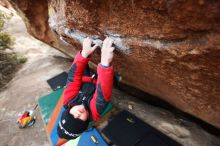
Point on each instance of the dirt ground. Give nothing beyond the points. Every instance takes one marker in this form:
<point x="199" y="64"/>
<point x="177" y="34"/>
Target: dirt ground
<point x="44" y="62"/>
<point x="27" y="85"/>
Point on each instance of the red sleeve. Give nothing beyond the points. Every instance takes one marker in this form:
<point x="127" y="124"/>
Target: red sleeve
<point x="74" y="80"/>
<point x="103" y="91"/>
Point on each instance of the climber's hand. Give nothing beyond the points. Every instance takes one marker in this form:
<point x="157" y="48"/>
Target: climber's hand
<point x="107" y="52"/>
<point x="87" y="47"/>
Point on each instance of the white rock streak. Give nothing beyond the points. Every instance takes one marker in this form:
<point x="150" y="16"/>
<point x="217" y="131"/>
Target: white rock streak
<point x="121" y="43"/>
<point x="80" y="36"/>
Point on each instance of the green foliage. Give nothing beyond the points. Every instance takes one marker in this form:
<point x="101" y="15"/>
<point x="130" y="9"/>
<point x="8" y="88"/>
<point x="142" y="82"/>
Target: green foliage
<point x="6" y="40"/>
<point x="9" y="62"/>
<point x="3" y="17"/>
<point x="21" y="59"/>
<point x="2" y="21"/>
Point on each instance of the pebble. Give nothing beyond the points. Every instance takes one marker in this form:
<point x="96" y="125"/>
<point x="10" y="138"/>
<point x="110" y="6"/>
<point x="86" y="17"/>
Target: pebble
<point x="130" y="107"/>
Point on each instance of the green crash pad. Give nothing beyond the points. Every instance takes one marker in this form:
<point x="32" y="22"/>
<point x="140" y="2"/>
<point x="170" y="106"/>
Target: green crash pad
<point x="47" y="104"/>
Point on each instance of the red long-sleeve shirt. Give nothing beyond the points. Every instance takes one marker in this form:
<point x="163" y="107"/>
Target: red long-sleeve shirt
<point x="104" y="84"/>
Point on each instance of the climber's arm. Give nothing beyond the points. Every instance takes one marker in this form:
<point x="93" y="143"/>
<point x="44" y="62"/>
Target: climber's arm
<point x="104" y="84"/>
<point x="103" y="91"/>
<point x="78" y="66"/>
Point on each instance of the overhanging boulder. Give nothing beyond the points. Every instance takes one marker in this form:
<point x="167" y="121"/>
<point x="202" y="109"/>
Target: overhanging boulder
<point x="170" y="49"/>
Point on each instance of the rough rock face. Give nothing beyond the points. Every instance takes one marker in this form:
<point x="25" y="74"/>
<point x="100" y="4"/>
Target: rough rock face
<point x="167" y="48"/>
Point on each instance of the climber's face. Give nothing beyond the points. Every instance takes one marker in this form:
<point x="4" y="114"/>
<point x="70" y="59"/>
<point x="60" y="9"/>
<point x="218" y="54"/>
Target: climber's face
<point x="79" y="112"/>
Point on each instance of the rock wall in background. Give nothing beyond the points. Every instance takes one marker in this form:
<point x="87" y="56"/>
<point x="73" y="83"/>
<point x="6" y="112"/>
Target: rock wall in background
<point x="169" y="48"/>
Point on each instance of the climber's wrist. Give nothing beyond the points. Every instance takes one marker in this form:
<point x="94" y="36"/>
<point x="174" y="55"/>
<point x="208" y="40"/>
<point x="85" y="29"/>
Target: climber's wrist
<point x="84" y="54"/>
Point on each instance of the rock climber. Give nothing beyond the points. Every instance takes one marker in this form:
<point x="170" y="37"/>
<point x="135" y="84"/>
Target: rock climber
<point x="86" y="95"/>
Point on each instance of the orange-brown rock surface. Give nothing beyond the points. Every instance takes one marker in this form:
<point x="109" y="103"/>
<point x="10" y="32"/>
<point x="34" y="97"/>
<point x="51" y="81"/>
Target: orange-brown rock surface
<point x="167" y="48"/>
